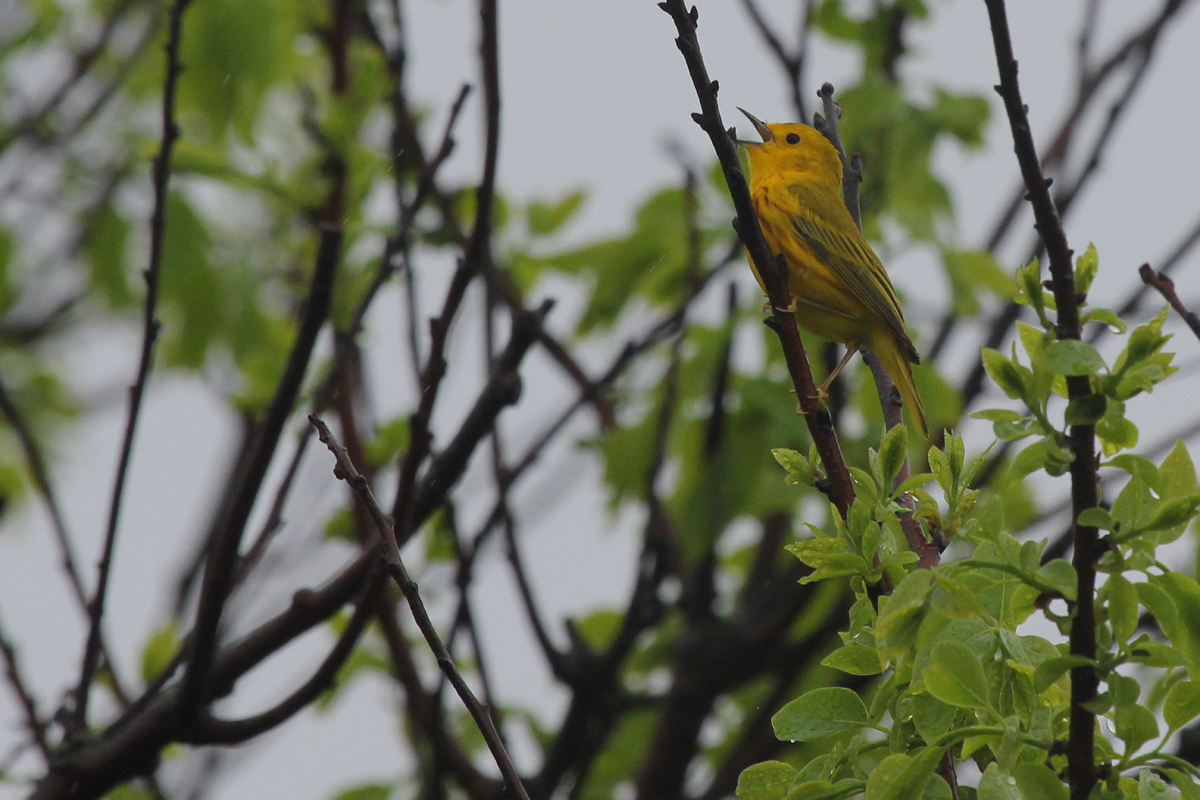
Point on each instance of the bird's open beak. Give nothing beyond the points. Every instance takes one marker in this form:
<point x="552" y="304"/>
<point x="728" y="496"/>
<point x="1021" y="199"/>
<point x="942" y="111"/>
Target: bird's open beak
<point x="759" y="126"/>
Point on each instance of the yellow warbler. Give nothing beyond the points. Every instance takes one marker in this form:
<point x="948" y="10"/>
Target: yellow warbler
<point x="839" y="289"/>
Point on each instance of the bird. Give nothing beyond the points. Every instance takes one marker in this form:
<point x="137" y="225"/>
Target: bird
<point x="839" y="288"/>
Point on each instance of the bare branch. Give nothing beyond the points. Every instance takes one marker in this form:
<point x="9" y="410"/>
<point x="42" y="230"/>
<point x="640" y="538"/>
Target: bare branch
<point x="1166" y="287"/>
<point x="222" y="556"/>
<point x="20" y="689"/>
<point x="150" y="328"/>
<point x="396" y="569"/>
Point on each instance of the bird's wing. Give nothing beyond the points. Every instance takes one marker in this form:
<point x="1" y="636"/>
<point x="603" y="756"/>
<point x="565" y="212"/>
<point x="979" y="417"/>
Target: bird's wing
<point x="849" y="257"/>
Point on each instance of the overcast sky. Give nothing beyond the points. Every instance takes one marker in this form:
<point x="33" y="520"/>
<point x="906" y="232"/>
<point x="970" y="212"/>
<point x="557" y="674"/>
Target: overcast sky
<point x="592" y="91"/>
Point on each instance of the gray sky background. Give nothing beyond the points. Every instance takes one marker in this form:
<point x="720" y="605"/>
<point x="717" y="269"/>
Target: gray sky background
<point x="592" y="90"/>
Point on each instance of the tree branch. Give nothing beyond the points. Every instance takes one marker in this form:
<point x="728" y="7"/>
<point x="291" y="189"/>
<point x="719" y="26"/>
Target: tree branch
<point x="819" y="425"/>
<point x="396" y="569"/>
<point x="1166" y="287"/>
<point x="150" y="328"/>
<point x="1081" y="766"/>
<point x="227" y="537"/>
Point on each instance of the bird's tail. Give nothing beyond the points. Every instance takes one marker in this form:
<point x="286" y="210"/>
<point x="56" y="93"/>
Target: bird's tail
<point x="896" y="362"/>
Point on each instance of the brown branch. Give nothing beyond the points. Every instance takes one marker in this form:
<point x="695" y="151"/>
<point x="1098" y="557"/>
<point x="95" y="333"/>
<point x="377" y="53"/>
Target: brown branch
<point x="212" y="730"/>
<point x="41" y="480"/>
<point x="1081" y="767"/>
<point x="20" y="689"/>
<point x="150" y="329"/>
<point x="1166" y="287"/>
<point x="227" y="537"/>
<point x="771" y="270"/>
<point x="396" y="569"/>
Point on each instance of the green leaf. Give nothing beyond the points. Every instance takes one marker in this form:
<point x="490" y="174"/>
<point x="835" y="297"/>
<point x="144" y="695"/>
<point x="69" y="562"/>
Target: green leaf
<point x="369" y="791"/>
<point x="1003" y="372"/>
<point x="1053" y="668"/>
<point x="1134" y="726"/>
<point x="855" y="659"/>
<point x="892" y="452"/>
<point x="956" y="676"/>
<point x="1152" y="787"/>
<point x="1061" y="575"/>
<point x="1073" y="357"/>
<point x="1107" y="317"/>
<point x="1185" y="783"/>
<point x="819" y="713"/>
<point x="1139" y="466"/>
<point x="1085" y="269"/>
<point x="1096" y="518"/>
<point x="546" y="218"/>
<point x="1036" y="780"/>
<point x="1122" y="607"/>
<point x="1158" y="603"/>
<point x="1029" y="460"/>
<point x="900" y="616"/>
<point x="1182" y="704"/>
<point x="995" y="785"/>
<point x="160" y="649"/>
<point x="769" y="780"/>
<point x="901" y="777"/>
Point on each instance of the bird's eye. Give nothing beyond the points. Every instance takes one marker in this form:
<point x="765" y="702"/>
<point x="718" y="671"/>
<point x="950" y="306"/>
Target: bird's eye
<point x="793" y="138"/>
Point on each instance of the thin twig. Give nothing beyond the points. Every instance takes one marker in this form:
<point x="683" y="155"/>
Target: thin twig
<point x="396" y="569"/>
<point x="20" y="688"/>
<point x="1166" y="287"/>
<point x="41" y="480"/>
<point x="150" y="329"/>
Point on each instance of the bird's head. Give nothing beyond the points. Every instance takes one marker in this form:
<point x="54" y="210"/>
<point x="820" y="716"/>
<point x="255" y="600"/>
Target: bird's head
<point x="791" y="147"/>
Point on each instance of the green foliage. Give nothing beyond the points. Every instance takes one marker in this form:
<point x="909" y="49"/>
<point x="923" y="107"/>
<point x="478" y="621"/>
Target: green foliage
<point x="956" y="674"/>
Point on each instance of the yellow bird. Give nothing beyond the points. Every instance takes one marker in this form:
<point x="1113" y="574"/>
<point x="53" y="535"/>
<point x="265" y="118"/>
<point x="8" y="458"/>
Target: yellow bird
<point x="839" y="288"/>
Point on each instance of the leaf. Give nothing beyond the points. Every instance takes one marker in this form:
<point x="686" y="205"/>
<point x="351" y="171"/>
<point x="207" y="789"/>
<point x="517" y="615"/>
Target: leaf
<point x="1158" y="603"/>
<point x="1185" y="783"/>
<point x="819" y="713"/>
<point x="892" y="452"/>
<point x="769" y="780"/>
<point x="900" y="616"/>
<point x="901" y="777"/>
<point x="369" y="791"/>
<point x="1061" y="575"/>
<point x="546" y="218"/>
<point x="1085" y="269"/>
<point x="1003" y="372"/>
<point x="1138" y="466"/>
<point x="1036" y="780"/>
<point x="956" y="676"/>
<point x="1134" y="726"/>
<point x="1107" y="317"/>
<point x="160" y="649"/>
<point x="1096" y="518"/>
<point x="1182" y="704"/>
<point x="995" y="785"/>
<point x="1122" y="608"/>
<point x="855" y="659"/>
<point x="1050" y="670"/>
<point x="1073" y="357"/>
<point x="1152" y="787"/>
